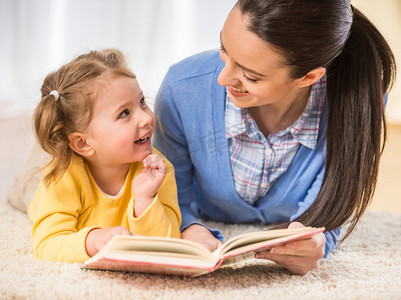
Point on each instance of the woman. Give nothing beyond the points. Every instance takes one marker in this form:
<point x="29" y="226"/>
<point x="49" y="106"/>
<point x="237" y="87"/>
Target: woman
<point x="284" y="125"/>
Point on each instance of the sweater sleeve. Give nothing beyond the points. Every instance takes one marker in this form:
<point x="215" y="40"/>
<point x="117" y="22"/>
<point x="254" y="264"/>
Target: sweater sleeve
<point x="162" y="217"/>
<point x="170" y="139"/>
<point x="54" y="211"/>
<point x="331" y="236"/>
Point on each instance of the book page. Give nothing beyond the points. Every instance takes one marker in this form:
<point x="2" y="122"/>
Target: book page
<point x="161" y="258"/>
<point x="161" y="246"/>
<point x="238" y="258"/>
<point x="153" y="255"/>
<point x="255" y="240"/>
<point x="259" y="236"/>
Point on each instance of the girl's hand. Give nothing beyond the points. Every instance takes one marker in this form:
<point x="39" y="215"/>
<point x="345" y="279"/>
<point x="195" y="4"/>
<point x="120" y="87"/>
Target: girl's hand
<point x="199" y="234"/>
<point x="98" y="237"/>
<point x="146" y="183"/>
<point x="299" y="257"/>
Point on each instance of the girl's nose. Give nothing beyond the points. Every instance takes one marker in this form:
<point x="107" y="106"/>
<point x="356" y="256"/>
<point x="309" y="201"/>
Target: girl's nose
<point x="145" y="118"/>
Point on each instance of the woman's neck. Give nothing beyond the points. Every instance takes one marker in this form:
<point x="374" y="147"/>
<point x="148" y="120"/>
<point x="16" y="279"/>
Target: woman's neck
<point x="272" y="118"/>
<point x="109" y="179"/>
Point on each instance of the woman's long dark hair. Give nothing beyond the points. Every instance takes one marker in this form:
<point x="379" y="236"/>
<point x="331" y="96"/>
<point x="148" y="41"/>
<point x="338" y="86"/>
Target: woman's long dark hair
<point x="360" y="69"/>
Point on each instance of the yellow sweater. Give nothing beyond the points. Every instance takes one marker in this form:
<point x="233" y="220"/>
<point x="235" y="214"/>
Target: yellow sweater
<point x="66" y="211"/>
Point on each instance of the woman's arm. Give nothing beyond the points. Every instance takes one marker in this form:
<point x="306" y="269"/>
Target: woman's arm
<point x="302" y="256"/>
<point x="331" y="237"/>
<point x="170" y="139"/>
<point x="299" y="257"/>
<point x="201" y="235"/>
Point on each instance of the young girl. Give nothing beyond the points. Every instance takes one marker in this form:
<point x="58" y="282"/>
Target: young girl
<point x="283" y="124"/>
<point x="104" y="178"/>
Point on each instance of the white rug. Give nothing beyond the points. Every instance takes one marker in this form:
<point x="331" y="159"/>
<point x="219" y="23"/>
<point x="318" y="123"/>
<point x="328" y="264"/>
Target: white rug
<point x="366" y="266"/>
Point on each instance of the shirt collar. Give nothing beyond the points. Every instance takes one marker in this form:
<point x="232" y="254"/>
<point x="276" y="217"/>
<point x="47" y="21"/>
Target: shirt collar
<point x="235" y="119"/>
<point x="239" y="121"/>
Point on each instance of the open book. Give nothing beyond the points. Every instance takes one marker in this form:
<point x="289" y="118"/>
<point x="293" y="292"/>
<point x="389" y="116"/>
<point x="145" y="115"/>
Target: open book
<point x="185" y="258"/>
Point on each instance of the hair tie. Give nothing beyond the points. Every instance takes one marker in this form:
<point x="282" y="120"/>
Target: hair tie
<point x="55" y="94"/>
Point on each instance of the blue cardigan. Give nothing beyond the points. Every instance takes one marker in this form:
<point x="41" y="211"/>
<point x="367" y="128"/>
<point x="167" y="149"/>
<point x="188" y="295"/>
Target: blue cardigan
<point x="190" y="132"/>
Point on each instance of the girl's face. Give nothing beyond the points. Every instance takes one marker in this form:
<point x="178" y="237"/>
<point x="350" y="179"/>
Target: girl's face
<point x="254" y="72"/>
<point x="122" y="125"/>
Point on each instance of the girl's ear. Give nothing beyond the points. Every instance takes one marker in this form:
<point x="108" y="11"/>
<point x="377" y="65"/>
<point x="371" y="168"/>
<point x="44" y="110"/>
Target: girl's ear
<point x="312" y="77"/>
<point x="79" y="143"/>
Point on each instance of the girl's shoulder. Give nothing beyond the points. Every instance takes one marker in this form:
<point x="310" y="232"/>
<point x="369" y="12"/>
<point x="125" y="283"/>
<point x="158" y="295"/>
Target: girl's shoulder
<point x="77" y="173"/>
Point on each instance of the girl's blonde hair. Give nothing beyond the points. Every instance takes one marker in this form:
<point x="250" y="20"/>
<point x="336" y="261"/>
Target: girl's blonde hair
<point x="56" y="118"/>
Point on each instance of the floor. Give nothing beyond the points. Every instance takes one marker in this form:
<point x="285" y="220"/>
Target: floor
<point x="16" y="139"/>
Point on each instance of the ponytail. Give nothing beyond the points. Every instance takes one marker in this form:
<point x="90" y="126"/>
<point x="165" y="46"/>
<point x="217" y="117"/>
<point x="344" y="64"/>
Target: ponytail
<point x="356" y="132"/>
<point x="51" y="135"/>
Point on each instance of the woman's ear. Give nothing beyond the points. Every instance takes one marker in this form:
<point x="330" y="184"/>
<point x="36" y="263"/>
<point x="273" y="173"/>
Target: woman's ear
<point x="79" y="143"/>
<point x="312" y="77"/>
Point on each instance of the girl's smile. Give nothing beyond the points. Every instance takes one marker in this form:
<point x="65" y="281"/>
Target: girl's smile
<point x="143" y="140"/>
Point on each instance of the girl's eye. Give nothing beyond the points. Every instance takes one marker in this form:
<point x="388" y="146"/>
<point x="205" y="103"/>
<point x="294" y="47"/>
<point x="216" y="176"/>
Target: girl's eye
<point x="250" y="79"/>
<point x="124" y="114"/>
<point x="142" y="102"/>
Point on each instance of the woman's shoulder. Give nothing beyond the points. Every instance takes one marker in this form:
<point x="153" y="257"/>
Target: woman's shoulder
<point x="196" y="65"/>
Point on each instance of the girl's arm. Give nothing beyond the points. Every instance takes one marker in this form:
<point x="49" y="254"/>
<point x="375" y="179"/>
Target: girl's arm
<point x="146" y="184"/>
<point x="54" y="212"/>
<point x="54" y="232"/>
<point x="160" y="217"/>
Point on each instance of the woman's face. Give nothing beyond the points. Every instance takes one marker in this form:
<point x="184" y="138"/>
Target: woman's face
<point x="254" y="74"/>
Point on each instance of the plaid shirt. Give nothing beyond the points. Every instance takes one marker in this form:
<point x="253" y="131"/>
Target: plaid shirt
<point x="256" y="161"/>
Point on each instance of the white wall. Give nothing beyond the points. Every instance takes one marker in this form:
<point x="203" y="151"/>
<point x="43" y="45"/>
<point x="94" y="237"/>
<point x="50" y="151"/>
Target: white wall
<point x="38" y="36"/>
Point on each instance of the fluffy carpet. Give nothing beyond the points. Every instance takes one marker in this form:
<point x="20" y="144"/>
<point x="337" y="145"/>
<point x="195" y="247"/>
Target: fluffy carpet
<point x="365" y="266"/>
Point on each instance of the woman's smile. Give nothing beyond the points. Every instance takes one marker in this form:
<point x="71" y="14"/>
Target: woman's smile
<point x="237" y="92"/>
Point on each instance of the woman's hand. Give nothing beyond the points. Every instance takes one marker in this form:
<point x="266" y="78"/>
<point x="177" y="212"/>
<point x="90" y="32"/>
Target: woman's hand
<point x="98" y="237"/>
<point x="199" y="234"/>
<point x="299" y="257"/>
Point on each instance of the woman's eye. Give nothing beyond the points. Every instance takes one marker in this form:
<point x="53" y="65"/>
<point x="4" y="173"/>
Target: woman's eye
<point x="250" y="79"/>
<point x="124" y="114"/>
<point x="223" y="50"/>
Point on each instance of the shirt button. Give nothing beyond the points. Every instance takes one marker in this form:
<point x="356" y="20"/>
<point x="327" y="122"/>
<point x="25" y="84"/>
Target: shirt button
<point x="264" y="185"/>
<point x="269" y="151"/>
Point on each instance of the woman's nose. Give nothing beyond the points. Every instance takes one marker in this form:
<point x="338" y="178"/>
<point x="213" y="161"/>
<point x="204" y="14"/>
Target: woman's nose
<point x="228" y="76"/>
